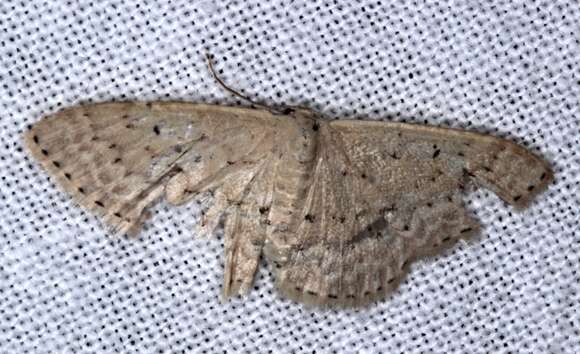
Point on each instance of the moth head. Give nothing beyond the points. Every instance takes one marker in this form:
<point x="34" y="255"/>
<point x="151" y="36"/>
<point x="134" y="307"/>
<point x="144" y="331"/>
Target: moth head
<point x="301" y="112"/>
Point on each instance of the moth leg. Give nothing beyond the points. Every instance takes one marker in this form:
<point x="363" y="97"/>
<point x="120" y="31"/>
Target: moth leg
<point x="223" y="198"/>
<point x="224" y="188"/>
<point x="212" y="217"/>
<point x="239" y="194"/>
<point x="244" y="239"/>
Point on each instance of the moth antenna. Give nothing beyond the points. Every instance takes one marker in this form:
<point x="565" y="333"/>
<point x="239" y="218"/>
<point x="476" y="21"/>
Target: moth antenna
<point x="226" y="87"/>
<point x="282" y="110"/>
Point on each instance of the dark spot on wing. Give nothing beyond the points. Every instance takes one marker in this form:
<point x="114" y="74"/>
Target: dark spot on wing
<point x="467" y="172"/>
<point x="309" y="218"/>
<point x="156" y="129"/>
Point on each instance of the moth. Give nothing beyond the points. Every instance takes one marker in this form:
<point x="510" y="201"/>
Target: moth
<point x="339" y="208"/>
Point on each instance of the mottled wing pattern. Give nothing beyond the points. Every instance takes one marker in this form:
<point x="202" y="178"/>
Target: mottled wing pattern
<point x="115" y="159"/>
<point x="383" y="194"/>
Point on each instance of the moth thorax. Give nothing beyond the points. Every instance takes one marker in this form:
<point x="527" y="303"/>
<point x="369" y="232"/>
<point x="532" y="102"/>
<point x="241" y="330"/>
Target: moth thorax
<point x="294" y="172"/>
<point x="303" y="143"/>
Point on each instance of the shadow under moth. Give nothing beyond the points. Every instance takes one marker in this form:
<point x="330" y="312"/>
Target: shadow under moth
<point x="339" y="208"/>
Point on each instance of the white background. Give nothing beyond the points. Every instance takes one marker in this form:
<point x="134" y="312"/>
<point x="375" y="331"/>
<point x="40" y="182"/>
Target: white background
<point x="510" y="69"/>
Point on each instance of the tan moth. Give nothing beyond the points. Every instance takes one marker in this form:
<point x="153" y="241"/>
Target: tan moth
<point x="338" y="207"/>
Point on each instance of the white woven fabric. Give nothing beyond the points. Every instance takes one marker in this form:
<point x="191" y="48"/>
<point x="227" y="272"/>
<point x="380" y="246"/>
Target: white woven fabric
<point x="510" y="69"/>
